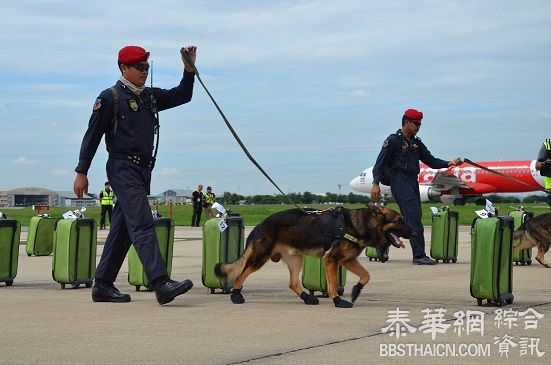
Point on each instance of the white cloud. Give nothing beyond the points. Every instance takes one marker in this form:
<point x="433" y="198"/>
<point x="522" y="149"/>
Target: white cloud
<point x="360" y="94"/>
<point x="61" y="173"/>
<point x="24" y="161"/>
<point x="168" y="171"/>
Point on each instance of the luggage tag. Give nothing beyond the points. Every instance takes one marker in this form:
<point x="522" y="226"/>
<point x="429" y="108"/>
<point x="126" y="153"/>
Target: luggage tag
<point x="222" y="225"/>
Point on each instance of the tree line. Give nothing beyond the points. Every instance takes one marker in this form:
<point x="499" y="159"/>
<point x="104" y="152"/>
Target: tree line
<point x="298" y="198"/>
<point x="350" y="198"/>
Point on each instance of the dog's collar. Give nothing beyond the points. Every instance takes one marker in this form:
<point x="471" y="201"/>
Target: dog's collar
<point x="351" y="238"/>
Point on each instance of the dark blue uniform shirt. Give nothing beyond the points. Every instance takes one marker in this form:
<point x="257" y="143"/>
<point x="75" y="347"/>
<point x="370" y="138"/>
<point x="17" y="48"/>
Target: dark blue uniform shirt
<point x="403" y="156"/>
<point x="135" y="120"/>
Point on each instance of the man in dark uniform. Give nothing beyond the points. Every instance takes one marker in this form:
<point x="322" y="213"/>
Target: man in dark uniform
<point x="399" y="161"/>
<point x="543" y="165"/>
<point x="106" y="200"/>
<point x="197" y="198"/>
<point x="127" y="115"/>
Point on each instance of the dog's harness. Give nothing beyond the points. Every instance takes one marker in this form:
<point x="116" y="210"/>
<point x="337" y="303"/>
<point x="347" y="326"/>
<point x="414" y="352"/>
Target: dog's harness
<point x="333" y="226"/>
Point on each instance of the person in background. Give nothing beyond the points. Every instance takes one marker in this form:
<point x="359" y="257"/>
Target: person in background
<point x="106" y="197"/>
<point x="210" y="198"/>
<point x="197" y="198"/>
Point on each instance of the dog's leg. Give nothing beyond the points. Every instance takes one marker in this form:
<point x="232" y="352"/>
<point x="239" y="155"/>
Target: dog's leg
<point x="540" y="256"/>
<point x="331" y="267"/>
<point x="294" y="263"/>
<point x="354" y="266"/>
<point x="526" y="241"/>
<point x="252" y="265"/>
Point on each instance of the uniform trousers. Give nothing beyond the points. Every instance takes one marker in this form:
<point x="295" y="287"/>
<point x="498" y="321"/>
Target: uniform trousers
<point x="405" y="190"/>
<point x="132" y="223"/>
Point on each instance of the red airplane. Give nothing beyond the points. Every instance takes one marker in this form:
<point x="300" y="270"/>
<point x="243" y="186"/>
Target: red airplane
<point x="455" y="184"/>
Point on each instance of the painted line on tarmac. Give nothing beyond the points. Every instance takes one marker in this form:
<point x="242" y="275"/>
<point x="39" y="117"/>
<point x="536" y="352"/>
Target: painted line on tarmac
<point x="306" y="348"/>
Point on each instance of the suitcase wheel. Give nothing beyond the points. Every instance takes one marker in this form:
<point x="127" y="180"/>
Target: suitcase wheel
<point x="62" y="286"/>
<point x="9" y="282"/>
<point x="454" y="260"/>
<point x="529" y="262"/>
<point x="29" y="254"/>
<point x="509" y="301"/>
<point x="137" y="288"/>
<point x="311" y="292"/>
<point x="371" y="259"/>
<point x="479" y="302"/>
<point x="340" y="289"/>
<point x="211" y="290"/>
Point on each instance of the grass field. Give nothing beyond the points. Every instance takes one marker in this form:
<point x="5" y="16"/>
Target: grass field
<point x="254" y="214"/>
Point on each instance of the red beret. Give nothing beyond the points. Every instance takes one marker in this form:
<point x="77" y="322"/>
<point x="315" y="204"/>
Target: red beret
<point x="413" y="114"/>
<point x="132" y="54"/>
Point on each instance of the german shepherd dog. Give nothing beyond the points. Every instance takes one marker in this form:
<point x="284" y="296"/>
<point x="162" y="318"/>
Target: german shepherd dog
<point x="535" y="232"/>
<point x="339" y="235"/>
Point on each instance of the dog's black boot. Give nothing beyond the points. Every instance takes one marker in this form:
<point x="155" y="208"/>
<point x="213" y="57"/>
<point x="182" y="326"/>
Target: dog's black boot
<point x="236" y="296"/>
<point x="309" y="299"/>
<point x="356" y="290"/>
<point x="169" y="289"/>
<point x="341" y="303"/>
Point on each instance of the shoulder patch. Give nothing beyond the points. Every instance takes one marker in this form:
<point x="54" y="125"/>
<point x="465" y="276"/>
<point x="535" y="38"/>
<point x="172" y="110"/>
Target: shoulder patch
<point x="97" y="104"/>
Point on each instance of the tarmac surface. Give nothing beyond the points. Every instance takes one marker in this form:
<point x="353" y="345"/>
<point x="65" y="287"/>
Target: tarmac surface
<point x="42" y="324"/>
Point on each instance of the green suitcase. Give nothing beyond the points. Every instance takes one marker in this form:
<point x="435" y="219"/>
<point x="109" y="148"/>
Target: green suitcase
<point x="164" y="229"/>
<point x="522" y="257"/>
<point x="74" y="256"/>
<point x="313" y="276"/>
<point x="225" y="247"/>
<point x="10" y="234"/>
<point x="371" y="253"/>
<point x="444" y="235"/>
<point x="491" y="265"/>
<point x="40" y="239"/>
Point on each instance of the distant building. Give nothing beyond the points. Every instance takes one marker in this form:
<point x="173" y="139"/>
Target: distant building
<point x="69" y="199"/>
<point x="38" y="196"/>
<point x="22" y="197"/>
<point x="177" y="196"/>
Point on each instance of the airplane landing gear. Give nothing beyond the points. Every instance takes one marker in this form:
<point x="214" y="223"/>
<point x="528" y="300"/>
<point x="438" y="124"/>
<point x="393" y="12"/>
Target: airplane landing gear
<point x="459" y="201"/>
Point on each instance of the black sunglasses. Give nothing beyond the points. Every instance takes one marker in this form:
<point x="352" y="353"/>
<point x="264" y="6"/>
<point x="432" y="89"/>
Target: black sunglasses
<point x="140" y="66"/>
<point x="416" y="122"/>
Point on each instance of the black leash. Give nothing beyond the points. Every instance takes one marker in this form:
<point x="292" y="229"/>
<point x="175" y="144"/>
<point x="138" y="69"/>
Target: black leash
<point x="505" y="176"/>
<point x="189" y="61"/>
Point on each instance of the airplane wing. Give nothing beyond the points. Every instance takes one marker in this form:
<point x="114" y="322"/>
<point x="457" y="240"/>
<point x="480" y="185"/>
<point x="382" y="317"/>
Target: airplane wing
<point x="445" y="180"/>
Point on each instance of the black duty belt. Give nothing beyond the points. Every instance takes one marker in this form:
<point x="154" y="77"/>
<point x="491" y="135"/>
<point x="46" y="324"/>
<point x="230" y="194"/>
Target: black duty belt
<point x="135" y="159"/>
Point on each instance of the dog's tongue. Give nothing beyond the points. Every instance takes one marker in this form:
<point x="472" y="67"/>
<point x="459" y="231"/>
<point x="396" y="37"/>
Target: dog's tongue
<point x="396" y="242"/>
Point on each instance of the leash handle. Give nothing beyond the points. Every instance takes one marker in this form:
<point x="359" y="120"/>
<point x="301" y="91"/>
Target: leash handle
<point x="188" y="60"/>
<point x="504" y="175"/>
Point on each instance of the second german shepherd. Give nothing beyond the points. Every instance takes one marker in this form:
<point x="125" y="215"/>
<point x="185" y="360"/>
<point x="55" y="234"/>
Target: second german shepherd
<point x="535" y="232"/>
<point x="289" y="234"/>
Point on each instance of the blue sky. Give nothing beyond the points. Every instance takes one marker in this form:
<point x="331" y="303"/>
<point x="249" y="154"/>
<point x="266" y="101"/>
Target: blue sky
<point x="312" y="87"/>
